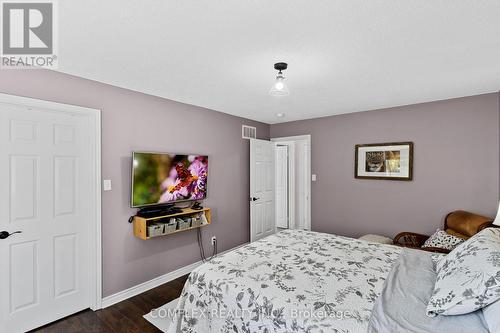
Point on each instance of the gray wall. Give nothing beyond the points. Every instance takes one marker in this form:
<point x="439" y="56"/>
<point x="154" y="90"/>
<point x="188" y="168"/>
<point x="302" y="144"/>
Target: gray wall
<point x="456" y="165"/>
<point x="134" y="121"/>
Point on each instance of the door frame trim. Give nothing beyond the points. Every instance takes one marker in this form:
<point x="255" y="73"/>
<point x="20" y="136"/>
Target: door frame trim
<point x="308" y="139"/>
<point x="95" y="232"/>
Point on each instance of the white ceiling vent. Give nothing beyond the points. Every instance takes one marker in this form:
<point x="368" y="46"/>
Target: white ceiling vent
<point x="248" y="132"/>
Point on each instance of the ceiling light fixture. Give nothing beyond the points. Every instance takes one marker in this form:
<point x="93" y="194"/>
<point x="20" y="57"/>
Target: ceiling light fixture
<point x="280" y="115"/>
<point x="279" y="87"/>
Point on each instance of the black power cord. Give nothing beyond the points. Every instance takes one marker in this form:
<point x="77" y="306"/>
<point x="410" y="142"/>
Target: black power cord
<point x="202" y="250"/>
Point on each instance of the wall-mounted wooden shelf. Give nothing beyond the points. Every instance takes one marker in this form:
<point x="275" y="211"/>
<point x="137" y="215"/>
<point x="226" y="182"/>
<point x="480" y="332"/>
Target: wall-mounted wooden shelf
<point x="141" y="223"/>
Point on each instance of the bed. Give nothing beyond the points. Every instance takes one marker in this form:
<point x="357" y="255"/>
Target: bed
<point x="303" y="281"/>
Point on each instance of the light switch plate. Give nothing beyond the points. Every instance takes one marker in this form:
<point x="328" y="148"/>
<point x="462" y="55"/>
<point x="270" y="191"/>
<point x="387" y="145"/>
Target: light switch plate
<point x="313" y="178"/>
<point x="106" y="185"/>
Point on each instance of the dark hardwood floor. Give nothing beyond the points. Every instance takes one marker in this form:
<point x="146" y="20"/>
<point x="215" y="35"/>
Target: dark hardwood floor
<point x="125" y="316"/>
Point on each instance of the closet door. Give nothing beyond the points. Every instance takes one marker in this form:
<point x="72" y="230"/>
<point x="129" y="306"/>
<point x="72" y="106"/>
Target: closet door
<point x="282" y="197"/>
<point x="46" y="172"/>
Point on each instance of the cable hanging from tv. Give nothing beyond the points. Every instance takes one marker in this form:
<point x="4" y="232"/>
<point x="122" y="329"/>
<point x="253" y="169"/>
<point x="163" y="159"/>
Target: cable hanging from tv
<point x="202" y="250"/>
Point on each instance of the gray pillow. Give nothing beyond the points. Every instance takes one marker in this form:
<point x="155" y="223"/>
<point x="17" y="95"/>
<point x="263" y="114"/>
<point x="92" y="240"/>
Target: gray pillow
<point x="468" y="278"/>
<point x="492" y="316"/>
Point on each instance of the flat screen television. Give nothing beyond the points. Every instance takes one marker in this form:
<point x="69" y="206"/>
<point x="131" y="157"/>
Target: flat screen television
<point x="161" y="178"/>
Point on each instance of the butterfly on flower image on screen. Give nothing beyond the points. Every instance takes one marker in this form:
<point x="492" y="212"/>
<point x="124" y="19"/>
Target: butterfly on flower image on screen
<point x="159" y="178"/>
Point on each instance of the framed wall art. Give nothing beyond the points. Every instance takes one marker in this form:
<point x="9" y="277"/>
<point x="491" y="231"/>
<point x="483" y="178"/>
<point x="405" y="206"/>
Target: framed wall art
<point x="392" y="161"/>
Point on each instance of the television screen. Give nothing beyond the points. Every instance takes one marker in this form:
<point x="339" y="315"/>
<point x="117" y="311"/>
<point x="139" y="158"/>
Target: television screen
<point x="167" y="178"/>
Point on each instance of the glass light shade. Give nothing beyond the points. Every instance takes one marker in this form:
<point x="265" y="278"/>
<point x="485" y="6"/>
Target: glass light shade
<point x="279" y="87"/>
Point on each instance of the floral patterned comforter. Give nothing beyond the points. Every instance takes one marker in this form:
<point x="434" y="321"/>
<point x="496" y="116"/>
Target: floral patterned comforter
<point x="293" y="281"/>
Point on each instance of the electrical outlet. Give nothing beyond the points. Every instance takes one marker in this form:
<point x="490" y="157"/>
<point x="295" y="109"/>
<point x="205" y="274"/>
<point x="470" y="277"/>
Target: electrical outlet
<point x="214" y="240"/>
<point x="106" y="184"/>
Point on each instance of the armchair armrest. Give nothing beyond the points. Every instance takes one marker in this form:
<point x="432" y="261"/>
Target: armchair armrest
<point x="410" y="239"/>
<point x="436" y="249"/>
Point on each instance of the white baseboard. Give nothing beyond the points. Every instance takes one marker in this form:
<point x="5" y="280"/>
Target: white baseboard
<point x="148" y="285"/>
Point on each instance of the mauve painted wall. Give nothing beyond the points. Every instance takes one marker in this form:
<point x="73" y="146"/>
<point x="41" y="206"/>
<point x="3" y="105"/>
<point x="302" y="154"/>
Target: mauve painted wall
<point x="135" y="121"/>
<point x="456" y="165"/>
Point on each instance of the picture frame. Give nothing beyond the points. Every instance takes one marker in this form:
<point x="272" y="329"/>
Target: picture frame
<point x="384" y="161"/>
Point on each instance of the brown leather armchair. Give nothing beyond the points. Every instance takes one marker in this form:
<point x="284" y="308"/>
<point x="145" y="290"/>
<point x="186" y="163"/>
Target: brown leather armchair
<point x="458" y="223"/>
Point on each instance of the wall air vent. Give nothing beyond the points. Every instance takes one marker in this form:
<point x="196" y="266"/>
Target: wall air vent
<point x="248" y="132"/>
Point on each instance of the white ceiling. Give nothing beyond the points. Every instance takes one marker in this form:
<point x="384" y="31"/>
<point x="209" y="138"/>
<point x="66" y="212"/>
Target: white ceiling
<point x="344" y="56"/>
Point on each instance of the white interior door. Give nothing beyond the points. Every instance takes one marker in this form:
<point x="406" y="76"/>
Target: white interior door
<point x="262" y="183"/>
<point x="303" y="188"/>
<point x="282" y="217"/>
<point x="47" y="173"/>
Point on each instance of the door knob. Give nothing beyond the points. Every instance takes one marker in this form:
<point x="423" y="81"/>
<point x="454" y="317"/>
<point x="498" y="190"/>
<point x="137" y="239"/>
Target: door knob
<point x="5" y="234"/>
<point x="254" y="199"/>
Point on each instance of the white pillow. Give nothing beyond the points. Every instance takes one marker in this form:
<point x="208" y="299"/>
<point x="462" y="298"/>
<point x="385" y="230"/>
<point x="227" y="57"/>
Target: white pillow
<point x="492" y="316"/>
<point x="468" y="278"/>
<point x="497" y="218"/>
<point x="443" y="240"/>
